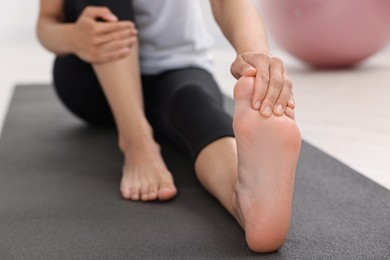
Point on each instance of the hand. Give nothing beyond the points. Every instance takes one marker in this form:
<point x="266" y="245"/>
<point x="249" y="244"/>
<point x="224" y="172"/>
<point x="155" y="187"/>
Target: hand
<point x="100" y="42"/>
<point x="273" y="88"/>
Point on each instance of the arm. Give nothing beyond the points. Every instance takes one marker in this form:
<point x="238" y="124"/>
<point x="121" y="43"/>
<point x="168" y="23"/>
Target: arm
<point x="242" y="26"/>
<point x="52" y="33"/>
<point x="92" y="41"/>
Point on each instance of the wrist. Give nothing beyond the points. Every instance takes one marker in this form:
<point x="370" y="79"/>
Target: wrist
<point x="256" y="46"/>
<point x="69" y="39"/>
<point x="261" y="49"/>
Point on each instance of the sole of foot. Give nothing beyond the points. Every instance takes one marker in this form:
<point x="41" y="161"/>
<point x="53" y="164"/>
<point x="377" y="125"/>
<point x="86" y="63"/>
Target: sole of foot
<point x="268" y="151"/>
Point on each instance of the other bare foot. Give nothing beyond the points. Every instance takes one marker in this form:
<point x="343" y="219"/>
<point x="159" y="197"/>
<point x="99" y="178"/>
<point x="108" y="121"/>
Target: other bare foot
<point x="145" y="176"/>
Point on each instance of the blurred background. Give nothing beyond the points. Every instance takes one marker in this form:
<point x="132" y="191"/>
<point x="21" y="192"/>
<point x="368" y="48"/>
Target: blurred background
<point x="344" y="112"/>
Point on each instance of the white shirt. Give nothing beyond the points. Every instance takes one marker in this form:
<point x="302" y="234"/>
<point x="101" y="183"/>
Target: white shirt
<point x="172" y="35"/>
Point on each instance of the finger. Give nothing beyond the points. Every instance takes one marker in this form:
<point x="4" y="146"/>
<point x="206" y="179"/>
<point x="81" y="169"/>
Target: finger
<point x="118" y="44"/>
<point x="290" y="113"/>
<point x="262" y="64"/>
<point x="102" y="12"/>
<point x="274" y="88"/>
<point x="104" y="28"/>
<point x="112" y="55"/>
<point x="284" y="95"/>
<point x="241" y="68"/>
<point x="116" y="36"/>
<point x="291" y="101"/>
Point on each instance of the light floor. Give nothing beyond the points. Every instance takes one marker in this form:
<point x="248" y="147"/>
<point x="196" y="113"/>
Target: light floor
<point x="344" y="113"/>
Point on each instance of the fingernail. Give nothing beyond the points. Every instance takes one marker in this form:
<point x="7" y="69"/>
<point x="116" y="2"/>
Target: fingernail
<point x="279" y="109"/>
<point x="114" y="17"/>
<point x="249" y="71"/>
<point x="257" y="105"/>
<point x="292" y="102"/>
<point x="267" y="111"/>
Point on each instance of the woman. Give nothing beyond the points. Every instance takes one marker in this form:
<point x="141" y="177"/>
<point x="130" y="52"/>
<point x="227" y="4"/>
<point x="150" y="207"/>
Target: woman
<point x="145" y="66"/>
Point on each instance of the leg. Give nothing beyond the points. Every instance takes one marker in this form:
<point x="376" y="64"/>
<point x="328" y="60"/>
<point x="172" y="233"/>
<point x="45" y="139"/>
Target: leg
<point x="250" y="176"/>
<point x="254" y="178"/>
<point x="145" y="175"/>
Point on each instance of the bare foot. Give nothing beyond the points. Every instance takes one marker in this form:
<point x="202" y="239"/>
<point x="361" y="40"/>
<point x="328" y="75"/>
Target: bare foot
<point x="145" y="176"/>
<point x="268" y="150"/>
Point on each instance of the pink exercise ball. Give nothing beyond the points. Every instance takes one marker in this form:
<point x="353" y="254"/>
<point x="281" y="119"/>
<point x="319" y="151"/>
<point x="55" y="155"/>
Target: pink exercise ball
<point x="328" y="33"/>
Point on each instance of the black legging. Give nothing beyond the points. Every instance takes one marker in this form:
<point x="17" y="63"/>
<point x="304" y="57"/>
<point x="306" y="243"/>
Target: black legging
<point x="183" y="105"/>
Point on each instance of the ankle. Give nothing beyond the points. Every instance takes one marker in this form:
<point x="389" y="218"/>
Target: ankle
<point x="135" y="142"/>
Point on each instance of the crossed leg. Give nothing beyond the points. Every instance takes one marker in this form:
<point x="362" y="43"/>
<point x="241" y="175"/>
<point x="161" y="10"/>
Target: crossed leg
<point x="253" y="174"/>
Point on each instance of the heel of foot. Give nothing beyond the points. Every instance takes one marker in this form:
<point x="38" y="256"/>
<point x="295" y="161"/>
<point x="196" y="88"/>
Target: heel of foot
<point x="265" y="232"/>
<point x="265" y="243"/>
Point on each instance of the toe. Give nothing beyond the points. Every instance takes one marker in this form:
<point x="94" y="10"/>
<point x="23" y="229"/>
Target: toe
<point x="134" y="193"/>
<point x="144" y="193"/>
<point x="167" y="191"/>
<point x="243" y="111"/>
<point x="144" y="197"/>
<point x="125" y="192"/>
<point x="152" y="192"/>
<point x="290" y="113"/>
<point x="244" y="88"/>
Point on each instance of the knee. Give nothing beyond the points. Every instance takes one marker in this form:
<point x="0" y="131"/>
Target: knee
<point x="121" y="9"/>
<point x="190" y="95"/>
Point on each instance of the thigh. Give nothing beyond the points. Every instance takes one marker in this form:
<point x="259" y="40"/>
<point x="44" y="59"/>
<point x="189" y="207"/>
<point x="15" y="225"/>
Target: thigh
<point x="186" y="107"/>
<point x="79" y="90"/>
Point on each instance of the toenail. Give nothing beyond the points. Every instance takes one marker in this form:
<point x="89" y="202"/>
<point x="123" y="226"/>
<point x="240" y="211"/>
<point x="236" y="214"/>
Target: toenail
<point x="257" y="105"/>
<point x="267" y="111"/>
<point x="279" y="109"/>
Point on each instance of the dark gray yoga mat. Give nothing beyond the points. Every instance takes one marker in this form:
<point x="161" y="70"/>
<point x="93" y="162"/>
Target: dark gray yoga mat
<point x="59" y="199"/>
